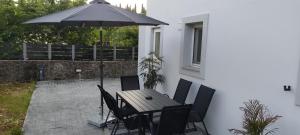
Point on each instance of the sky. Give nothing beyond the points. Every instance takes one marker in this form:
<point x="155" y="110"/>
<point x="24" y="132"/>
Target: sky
<point x="129" y="2"/>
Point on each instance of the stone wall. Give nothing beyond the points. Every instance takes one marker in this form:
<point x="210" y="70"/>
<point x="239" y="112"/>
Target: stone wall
<point x="60" y="70"/>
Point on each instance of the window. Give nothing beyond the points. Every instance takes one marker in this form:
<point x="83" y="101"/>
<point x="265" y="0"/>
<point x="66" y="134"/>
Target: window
<point x="193" y="46"/>
<point x="156" y="42"/>
<point x="197" y="44"/>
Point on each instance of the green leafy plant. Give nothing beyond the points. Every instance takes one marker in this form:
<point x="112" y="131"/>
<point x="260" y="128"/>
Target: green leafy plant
<point x="13" y="34"/>
<point x="149" y="67"/>
<point x="257" y="119"/>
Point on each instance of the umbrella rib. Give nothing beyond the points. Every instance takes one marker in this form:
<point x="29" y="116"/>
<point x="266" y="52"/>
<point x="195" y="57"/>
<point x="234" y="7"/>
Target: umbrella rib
<point x="55" y="14"/>
<point x="116" y="9"/>
<point x="76" y="13"/>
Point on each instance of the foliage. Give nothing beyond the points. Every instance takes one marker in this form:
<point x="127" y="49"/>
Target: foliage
<point x="125" y="36"/>
<point x="149" y="67"/>
<point x="14" y="102"/>
<point x="256" y="119"/>
<point x="13" y="33"/>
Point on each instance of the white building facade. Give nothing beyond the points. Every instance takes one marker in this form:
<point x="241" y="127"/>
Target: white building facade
<point x="245" y="49"/>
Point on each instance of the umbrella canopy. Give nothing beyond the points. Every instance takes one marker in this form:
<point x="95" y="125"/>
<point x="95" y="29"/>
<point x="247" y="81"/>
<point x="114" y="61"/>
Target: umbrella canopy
<point x="97" y="13"/>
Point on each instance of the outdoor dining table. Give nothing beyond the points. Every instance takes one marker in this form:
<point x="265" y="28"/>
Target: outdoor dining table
<point x="145" y="101"/>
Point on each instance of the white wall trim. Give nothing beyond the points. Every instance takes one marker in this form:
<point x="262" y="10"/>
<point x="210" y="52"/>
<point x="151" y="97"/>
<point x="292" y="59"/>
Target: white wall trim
<point x="297" y="92"/>
<point x="186" y="45"/>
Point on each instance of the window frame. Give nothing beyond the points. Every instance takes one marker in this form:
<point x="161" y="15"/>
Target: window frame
<point x="152" y="43"/>
<point x="187" y="67"/>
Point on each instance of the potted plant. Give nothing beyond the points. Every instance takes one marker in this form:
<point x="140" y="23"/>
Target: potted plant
<point x="257" y="119"/>
<point x="149" y="68"/>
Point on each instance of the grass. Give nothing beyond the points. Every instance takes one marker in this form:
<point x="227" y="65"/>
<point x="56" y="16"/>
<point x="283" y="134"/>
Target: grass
<point x="14" y="102"/>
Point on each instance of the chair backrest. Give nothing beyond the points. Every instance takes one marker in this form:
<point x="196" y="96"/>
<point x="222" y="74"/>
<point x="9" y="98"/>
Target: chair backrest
<point x="130" y="83"/>
<point x="202" y="101"/>
<point x="101" y="89"/>
<point x="173" y="120"/>
<point x="111" y="103"/>
<point x="182" y="91"/>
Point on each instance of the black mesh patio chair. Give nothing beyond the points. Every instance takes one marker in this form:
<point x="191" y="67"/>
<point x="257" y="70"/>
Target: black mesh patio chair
<point x="173" y="120"/>
<point x="130" y="83"/>
<point x="130" y="123"/>
<point x="127" y="110"/>
<point x="182" y="91"/>
<point x="200" y="106"/>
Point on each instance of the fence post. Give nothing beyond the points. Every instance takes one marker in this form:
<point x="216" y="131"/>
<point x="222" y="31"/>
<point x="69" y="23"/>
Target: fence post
<point x="73" y="52"/>
<point x="24" y="51"/>
<point x="49" y="52"/>
<point x="95" y="52"/>
<point x="115" y="52"/>
<point x="133" y="53"/>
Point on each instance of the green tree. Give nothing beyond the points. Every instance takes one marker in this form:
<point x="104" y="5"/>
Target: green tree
<point x="125" y="36"/>
<point x="13" y="33"/>
<point x="134" y="9"/>
<point x="14" y="12"/>
<point x="143" y="11"/>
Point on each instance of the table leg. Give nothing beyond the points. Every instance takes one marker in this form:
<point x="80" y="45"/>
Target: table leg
<point x="150" y="122"/>
<point x="121" y="103"/>
<point x="151" y="117"/>
<point x="141" y="128"/>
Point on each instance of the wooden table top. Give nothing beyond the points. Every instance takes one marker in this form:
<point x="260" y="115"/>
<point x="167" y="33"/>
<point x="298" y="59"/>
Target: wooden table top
<point x="137" y="99"/>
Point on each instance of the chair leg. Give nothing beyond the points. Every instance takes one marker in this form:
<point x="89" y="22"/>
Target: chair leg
<point x="117" y="128"/>
<point x="112" y="131"/>
<point x="107" y="116"/>
<point x="194" y="125"/>
<point x="205" y="128"/>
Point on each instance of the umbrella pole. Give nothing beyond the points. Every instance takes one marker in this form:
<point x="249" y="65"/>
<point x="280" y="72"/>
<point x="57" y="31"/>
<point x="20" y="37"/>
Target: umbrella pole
<point x="101" y="66"/>
<point x="101" y="122"/>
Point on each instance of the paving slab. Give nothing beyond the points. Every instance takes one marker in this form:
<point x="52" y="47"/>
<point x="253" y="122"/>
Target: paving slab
<point x="64" y="107"/>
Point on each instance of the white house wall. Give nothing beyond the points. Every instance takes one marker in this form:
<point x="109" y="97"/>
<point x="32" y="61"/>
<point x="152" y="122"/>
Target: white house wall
<point x="252" y="51"/>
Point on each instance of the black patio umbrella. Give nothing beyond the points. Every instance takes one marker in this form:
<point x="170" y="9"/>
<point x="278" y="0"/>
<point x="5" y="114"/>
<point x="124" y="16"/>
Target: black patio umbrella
<point x="98" y="13"/>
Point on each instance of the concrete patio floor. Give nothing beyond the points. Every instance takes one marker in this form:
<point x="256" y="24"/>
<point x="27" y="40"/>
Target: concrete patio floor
<point x="63" y="107"/>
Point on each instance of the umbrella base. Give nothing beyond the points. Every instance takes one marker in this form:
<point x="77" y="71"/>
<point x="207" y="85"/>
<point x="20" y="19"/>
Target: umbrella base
<point x="100" y="121"/>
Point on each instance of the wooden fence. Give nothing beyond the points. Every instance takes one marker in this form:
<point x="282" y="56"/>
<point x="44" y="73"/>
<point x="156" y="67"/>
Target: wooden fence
<point x="78" y="53"/>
